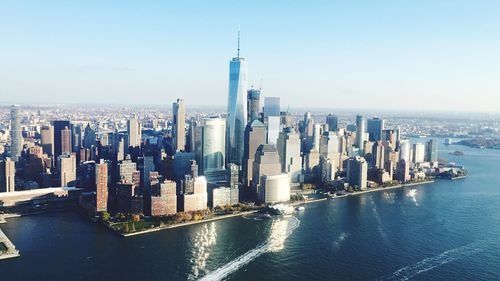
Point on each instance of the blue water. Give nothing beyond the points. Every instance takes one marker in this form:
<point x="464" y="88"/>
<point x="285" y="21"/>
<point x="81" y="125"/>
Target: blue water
<point x="448" y="230"/>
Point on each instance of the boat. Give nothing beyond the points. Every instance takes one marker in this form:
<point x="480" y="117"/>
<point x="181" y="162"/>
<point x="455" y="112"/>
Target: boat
<point x="265" y="216"/>
<point x="300" y="208"/>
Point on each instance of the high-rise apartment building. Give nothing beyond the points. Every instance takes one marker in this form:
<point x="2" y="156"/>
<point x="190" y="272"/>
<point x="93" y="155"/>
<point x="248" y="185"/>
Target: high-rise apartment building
<point x="179" y="125"/>
<point x="16" y="134"/>
<point x="101" y="180"/>
<point x="360" y="133"/>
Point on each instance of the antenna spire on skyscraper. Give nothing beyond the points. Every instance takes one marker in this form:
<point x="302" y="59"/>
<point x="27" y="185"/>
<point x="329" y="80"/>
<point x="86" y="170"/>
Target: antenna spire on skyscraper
<point x="238" y="41"/>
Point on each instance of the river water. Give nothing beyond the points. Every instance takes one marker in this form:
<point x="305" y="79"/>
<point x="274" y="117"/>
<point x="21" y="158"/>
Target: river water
<point x="447" y="230"/>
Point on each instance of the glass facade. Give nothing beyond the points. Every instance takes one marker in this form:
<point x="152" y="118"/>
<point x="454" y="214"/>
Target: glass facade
<point x="271" y="106"/>
<point x="16" y="136"/>
<point x="236" y="109"/>
<point x="214" y="146"/>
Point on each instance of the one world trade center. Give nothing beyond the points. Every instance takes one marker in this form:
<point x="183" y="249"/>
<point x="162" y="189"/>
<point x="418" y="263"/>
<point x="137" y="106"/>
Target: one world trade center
<point x="236" y="107"/>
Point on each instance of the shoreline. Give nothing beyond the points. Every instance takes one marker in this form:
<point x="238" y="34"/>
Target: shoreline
<point x="385" y="188"/>
<point x="155" y="229"/>
<point x="221" y="217"/>
<point x="160" y="228"/>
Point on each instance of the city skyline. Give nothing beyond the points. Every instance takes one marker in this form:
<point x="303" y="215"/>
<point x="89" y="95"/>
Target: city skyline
<point x="353" y="62"/>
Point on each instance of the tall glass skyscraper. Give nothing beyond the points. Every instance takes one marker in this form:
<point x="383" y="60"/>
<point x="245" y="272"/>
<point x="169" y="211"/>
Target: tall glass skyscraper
<point x="16" y="135"/>
<point x="236" y="107"/>
<point x="360" y="133"/>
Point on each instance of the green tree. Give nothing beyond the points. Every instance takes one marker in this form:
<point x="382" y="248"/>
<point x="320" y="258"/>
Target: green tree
<point x="104" y="216"/>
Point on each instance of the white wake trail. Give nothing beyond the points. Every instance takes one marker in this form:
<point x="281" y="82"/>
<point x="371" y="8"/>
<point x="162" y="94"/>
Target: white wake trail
<point x="430" y="263"/>
<point x="280" y="230"/>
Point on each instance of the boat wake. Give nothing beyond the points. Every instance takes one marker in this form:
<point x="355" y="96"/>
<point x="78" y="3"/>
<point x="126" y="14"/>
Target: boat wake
<point x="430" y="263"/>
<point x="280" y="230"/>
<point x="337" y="243"/>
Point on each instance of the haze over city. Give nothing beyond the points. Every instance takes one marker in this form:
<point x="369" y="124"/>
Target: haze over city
<point x="432" y="55"/>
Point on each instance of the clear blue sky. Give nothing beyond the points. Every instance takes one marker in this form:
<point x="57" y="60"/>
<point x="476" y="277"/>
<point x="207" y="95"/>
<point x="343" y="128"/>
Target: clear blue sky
<point x="420" y="54"/>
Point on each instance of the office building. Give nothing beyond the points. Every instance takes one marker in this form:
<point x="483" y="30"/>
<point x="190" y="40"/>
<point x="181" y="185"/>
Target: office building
<point x="271" y="106"/>
<point x="402" y="171"/>
<point x="289" y="145"/>
<point x="378" y="155"/>
<point x="273" y="129"/>
<point x="275" y="189"/>
<point x="236" y="107"/>
<point x="333" y="122"/>
<point x="134" y="132"/>
<point x="213" y="144"/>
<point x="255" y="135"/>
<point x="67" y="169"/>
<point x="253" y="105"/>
<point x="220" y="196"/>
<point x="267" y="162"/>
<point x="418" y="153"/>
<point x="89" y="137"/>
<point x="405" y="150"/>
<point x="431" y="151"/>
<point x="375" y="127"/>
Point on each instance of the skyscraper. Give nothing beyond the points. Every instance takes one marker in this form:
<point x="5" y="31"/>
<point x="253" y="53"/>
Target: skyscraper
<point x="7" y="175"/>
<point x="253" y="104"/>
<point x="271" y="106"/>
<point x="431" y="154"/>
<point x="418" y="153"/>
<point x="357" y="172"/>
<point x="134" y="132"/>
<point x="67" y="169"/>
<point x="375" y="126"/>
<point x="360" y="133"/>
<point x="16" y="135"/>
<point x="405" y="151"/>
<point x="289" y="145"/>
<point x="333" y="122"/>
<point x="101" y="179"/>
<point x="88" y="137"/>
<point x="59" y="125"/>
<point x="255" y="135"/>
<point x="273" y="129"/>
<point x="213" y="145"/>
<point x="267" y="163"/>
<point x="66" y="141"/>
<point x="179" y="113"/>
<point x="47" y="139"/>
<point x="236" y="107"/>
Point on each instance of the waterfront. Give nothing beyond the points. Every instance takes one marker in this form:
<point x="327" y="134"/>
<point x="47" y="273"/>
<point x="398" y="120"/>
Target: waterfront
<point x="443" y="230"/>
